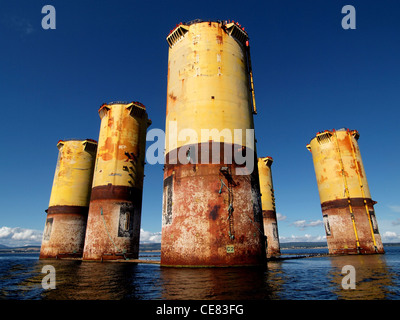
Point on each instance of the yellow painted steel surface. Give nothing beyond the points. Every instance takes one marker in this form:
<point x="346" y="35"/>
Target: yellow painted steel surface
<point x="211" y="214"/>
<point x="74" y="173"/>
<point x="331" y="148"/>
<point x="266" y="186"/>
<point x="268" y="206"/>
<point x="208" y="84"/>
<point x="121" y="152"/>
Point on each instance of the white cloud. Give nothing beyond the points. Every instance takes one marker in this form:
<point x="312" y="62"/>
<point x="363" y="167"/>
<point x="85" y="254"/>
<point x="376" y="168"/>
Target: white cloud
<point x="150" y="237"/>
<point x="316" y="223"/>
<point x="390" y="236"/>
<point x="395" y="208"/>
<point x="303" y="238"/>
<point x="302" y="224"/>
<point x="280" y="216"/>
<point x="20" y="24"/>
<point x="5" y="232"/>
<point x="396" y="222"/>
<point x="15" y="237"/>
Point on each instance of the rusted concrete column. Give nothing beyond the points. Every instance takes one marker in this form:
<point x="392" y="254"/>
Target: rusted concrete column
<point x="268" y="207"/>
<point x="348" y="213"/>
<point x="211" y="209"/>
<point x="65" y="227"/>
<point x="113" y="229"/>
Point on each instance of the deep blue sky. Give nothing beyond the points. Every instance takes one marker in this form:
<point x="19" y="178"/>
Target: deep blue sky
<point x="309" y="73"/>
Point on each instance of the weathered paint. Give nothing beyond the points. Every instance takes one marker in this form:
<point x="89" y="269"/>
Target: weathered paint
<point x="198" y="227"/>
<point x="122" y="145"/>
<point x="74" y="172"/>
<point x="340" y="231"/>
<point x="208" y="85"/>
<point x="113" y="227"/>
<point x="268" y="206"/>
<point x="211" y="215"/>
<point x="346" y="203"/>
<point x="65" y="225"/>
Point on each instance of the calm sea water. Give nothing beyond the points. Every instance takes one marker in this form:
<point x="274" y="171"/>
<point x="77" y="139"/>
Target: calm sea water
<point x="316" y="278"/>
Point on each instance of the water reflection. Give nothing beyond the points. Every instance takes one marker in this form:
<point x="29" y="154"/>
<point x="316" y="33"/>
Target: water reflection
<point x="377" y="277"/>
<point x="215" y="283"/>
<point x="373" y="277"/>
<point x="76" y="280"/>
<point x="303" y="279"/>
<point x="103" y="281"/>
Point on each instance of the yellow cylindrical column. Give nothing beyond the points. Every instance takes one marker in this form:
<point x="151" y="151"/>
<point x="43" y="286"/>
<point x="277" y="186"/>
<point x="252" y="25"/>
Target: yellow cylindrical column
<point x="65" y="227"/>
<point x="113" y="229"/>
<point x="211" y="213"/>
<point x="268" y="206"/>
<point x="347" y="207"/>
<point x="208" y="71"/>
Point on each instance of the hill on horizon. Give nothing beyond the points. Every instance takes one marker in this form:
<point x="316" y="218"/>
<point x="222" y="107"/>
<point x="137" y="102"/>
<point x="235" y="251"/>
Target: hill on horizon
<point x="32" y="247"/>
<point x="303" y="244"/>
<point x="157" y="246"/>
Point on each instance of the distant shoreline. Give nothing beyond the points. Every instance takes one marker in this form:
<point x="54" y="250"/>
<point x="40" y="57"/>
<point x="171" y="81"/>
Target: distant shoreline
<point x="156" y="247"/>
<point x="3" y="251"/>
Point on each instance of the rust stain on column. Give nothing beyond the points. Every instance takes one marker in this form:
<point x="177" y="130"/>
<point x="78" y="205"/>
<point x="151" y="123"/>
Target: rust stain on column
<point x="211" y="213"/>
<point x="65" y="227"/>
<point x="268" y="207"/>
<point x="347" y="208"/>
<point x="113" y="228"/>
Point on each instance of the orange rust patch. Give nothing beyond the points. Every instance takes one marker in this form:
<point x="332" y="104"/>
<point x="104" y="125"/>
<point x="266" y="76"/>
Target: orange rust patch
<point x="322" y="179"/>
<point x="360" y="167"/>
<point x="353" y="166"/>
<point x="110" y="122"/>
<point x="172" y="97"/>
<point x="106" y="152"/>
<point x="346" y="144"/>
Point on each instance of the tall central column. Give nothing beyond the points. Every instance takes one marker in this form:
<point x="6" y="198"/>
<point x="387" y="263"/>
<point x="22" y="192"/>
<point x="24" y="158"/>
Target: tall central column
<point x="211" y="201"/>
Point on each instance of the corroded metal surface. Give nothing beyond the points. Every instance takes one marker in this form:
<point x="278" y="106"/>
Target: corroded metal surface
<point x="347" y="207"/>
<point x="211" y="217"/>
<point x="122" y="145"/>
<point x="268" y="206"/>
<point x="271" y="232"/>
<point x="65" y="225"/>
<point x="340" y="232"/>
<point x="211" y="214"/>
<point x="113" y="227"/>
<point x="64" y="235"/>
<point x="115" y="193"/>
<point x="332" y="152"/>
